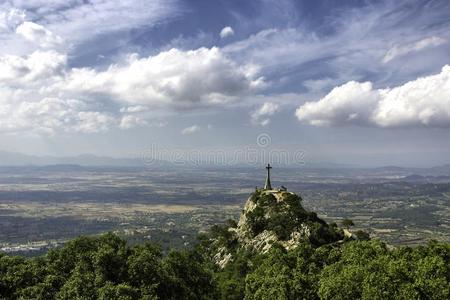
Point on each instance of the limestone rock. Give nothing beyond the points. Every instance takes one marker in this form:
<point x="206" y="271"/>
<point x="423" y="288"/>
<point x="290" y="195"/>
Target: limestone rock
<point x="273" y="217"/>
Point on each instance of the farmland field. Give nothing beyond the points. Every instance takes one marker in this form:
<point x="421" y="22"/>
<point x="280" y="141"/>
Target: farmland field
<point x="43" y="207"/>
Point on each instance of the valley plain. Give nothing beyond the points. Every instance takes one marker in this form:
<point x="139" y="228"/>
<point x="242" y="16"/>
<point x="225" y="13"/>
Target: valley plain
<point x="42" y="207"/>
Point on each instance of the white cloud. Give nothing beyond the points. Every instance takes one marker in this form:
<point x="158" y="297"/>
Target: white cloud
<point x="422" y="44"/>
<point x="46" y="6"/>
<point x="39" y="34"/>
<point x="79" y="23"/>
<point x="359" y="41"/>
<point x="174" y="78"/>
<point x="37" y="90"/>
<point x="37" y="66"/>
<point x="93" y="121"/>
<point x="424" y="102"/>
<point x="348" y="103"/>
<point x="26" y="108"/>
<point x="134" y="109"/>
<point x="130" y="121"/>
<point x="52" y="115"/>
<point x="82" y="20"/>
<point x="190" y="130"/>
<point x="11" y="18"/>
<point x="262" y="114"/>
<point x="226" y="31"/>
<point x="125" y="94"/>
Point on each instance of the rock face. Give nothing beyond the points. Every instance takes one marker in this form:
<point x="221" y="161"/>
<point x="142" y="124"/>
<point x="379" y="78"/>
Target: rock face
<point x="273" y="217"/>
<point x="256" y="229"/>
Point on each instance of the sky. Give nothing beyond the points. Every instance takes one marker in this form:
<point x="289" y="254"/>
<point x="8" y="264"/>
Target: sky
<point x="347" y="82"/>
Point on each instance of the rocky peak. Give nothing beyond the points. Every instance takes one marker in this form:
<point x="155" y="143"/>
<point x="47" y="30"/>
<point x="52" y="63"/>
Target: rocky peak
<point x="277" y="216"/>
<point x="273" y="217"/>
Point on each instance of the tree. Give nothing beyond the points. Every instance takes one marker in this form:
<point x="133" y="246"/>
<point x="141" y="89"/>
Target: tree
<point x="120" y="292"/>
<point x="107" y="268"/>
<point x="431" y="277"/>
<point x="271" y="279"/>
<point x="80" y="285"/>
<point x="145" y="270"/>
<point x="231" y="279"/>
<point x="188" y="278"/>
<point x="109" y="259"/>
<point x="16" y="273"/>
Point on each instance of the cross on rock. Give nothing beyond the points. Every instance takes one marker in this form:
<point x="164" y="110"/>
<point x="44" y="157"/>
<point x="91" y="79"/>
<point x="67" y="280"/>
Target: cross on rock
<point x="268" y="185"/>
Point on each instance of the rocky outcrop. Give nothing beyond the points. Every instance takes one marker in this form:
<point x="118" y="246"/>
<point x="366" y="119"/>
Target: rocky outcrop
<point x="222" y="257"/>
<point x="271" y="204"/>
<point x="273" y="217"/>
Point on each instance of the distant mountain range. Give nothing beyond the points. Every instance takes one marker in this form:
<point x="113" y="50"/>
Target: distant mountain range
<point x="13" y="159"/>
<point x="18" y="159"/>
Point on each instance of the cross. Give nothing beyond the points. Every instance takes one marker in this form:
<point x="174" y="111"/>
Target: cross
<point x="268" y="186"/>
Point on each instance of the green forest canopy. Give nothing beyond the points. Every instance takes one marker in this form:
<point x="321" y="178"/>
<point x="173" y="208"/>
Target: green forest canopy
<point x="106" y="267"/>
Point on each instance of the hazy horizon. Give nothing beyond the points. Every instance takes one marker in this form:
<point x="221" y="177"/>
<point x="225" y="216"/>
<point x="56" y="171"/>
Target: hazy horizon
<point x="190" y="158"/>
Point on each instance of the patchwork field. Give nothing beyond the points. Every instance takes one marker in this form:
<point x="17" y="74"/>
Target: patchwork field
<point x="41" y="208"/>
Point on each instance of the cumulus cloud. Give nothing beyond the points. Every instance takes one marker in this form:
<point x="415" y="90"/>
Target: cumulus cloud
<point x="39" y="89"/>
<point x="400" y="50"/>
<point x="39" y="34"/>
<point x="226" y="31"/>
<point x="131" y="121"/>
<point x="173" y="78"/>
<point x="41" y="94"/>
<point x="31" y="68"/>
<point x="262" y="114"/>
<point x="26" y="108"/>
<point x="190" y="130"/>
<point x="50" y="115"/>
<point x="424" y="102"/>
<point x="24" y="105"/>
